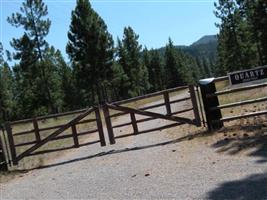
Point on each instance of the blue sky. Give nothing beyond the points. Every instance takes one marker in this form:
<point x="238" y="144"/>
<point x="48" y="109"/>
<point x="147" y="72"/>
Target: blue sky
<point x="185" y="21"/>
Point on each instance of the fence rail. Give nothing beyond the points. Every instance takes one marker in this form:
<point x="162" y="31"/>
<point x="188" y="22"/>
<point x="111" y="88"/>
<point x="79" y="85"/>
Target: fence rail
<point x="213" y="107"/>
<point x="150" y="115"/>
<point x="55" y="135"/>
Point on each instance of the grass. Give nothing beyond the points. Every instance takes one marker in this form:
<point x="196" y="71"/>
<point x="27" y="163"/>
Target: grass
<point x="241" y="96"/>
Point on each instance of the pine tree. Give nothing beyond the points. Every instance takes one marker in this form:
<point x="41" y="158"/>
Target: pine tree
<point x="207" y="68"/>
<point x="157" y="74"/>
<point x="54" y="62"/>
<point x="129" y="54"/>
<point x="172" y="66"/>
<point x="6" y="89"/>
<point x="120" y="83"/>
<point x="90" y="48"/>
<point x="235" y="49"/>
<point x="255" y="15"/>
<point x="146" y="62"/>
<point x="32" y="18"/>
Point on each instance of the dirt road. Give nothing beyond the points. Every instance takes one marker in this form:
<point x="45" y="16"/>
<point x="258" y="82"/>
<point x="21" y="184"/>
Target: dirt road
<point x="167" y="164"/>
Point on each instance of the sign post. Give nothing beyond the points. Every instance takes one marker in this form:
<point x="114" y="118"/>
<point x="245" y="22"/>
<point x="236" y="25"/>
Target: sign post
<point x="207" y="87"/>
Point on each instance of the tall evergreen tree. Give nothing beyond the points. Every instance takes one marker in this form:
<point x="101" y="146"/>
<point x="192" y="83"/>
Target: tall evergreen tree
<point x="129" y="54"/>
<point x="120" y="83"/>
<point x="6" y="89"/>
<point x="90" y="49"/>
<point x="255" y="15"/>
<point x="32" y="17"/>
<point x="157" y="75"/>
<point x="235" y="49"/>
<point x="172" y="66"/>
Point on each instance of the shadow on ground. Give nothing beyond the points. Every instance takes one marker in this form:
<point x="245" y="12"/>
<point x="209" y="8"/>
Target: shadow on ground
<point x="251" y="187"/>
<point x="245" y="137"/>
<point x="106" y="153"/>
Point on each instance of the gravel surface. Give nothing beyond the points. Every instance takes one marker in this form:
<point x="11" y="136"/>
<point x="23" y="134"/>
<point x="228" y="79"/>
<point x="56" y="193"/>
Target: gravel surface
<point x="167" y="164"/>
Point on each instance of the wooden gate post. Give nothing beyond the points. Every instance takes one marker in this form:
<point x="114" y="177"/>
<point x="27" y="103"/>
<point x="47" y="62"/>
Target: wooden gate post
<point x="195" y="105"/>
<point x="75" y="136"/>
<point x="210" y="100"/>
<point x="134" y="124"/>
<point x="36" y="129"/>
<point x="3" y="153"/>
<point x="108" y="124"/>
<point x="167" y="103"/>
<point x="100" y="127"/>
<point x="11" y="143"/>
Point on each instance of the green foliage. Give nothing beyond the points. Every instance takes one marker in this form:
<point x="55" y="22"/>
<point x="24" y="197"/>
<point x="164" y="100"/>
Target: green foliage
<point x="30" y="49"/>
<point x="242" y="38"/>
<point x="120" y="82"/>
<point x="129" y="54"/>
<point x="6" y="92"/>
<point x="173" y="66"/>
<point x="90" y="49"/>
<point x="156" y="71"/>
<point x="30" y="18"/>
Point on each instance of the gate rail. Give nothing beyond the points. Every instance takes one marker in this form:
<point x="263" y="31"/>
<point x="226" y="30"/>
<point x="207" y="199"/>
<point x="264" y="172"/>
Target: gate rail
<point x="38" y="142"/>
<point x="124" y="110"/>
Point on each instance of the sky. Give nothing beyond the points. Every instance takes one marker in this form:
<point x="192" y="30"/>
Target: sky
<point x="185" y="21"/>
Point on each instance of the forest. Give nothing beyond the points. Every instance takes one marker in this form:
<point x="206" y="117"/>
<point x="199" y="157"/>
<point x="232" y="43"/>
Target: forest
<point x="103" y="70"/>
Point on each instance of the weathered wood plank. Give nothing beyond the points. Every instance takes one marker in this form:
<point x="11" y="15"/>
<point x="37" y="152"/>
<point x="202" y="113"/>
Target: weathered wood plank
<point x="167" y="103"/>
<point x="134" y="124"/>
<point x="228" y="91"/>
<point x="151" y="114"/>
<point x="54" y="134"/>
<point x="182" y="111"/>
<point x="100" y="127"/>
<point x="11" y="143"/>
<point x="75" y="136"/>
<point x="195" y="105"/>
<point x="149" y="95"/>
<point x="109" y="125"/>
<point x="239" y="103"/>
<point x="49" y="116"/>
<point x="36" y="130"/>
<point x="243" y="116"/>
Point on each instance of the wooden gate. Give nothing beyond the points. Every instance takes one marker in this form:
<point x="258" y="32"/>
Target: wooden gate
<point x="142" y="111"/>
<point x="40" y="138"/>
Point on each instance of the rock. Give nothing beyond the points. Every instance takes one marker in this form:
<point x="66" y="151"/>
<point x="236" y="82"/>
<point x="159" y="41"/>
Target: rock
<point x="147" y="174"/>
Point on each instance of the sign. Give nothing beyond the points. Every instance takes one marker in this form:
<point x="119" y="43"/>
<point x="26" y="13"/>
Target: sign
<point x="248" y="75"/>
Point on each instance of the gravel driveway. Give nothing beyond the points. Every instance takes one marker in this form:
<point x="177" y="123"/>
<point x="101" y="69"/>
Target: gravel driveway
<point x="167" y="164"/>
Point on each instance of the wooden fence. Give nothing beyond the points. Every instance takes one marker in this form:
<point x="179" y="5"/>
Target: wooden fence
<point x="213" y="108"/>
<point x="39" y="141"/>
